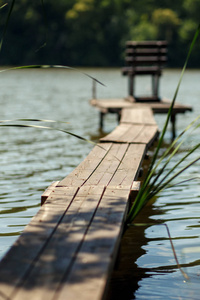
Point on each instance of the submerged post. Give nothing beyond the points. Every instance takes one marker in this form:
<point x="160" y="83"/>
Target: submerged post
<point x="94" y="89"/>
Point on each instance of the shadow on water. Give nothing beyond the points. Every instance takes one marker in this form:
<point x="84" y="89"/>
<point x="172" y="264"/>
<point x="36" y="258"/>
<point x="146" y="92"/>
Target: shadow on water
<point x="146" y="267"/>
<point x="126" y="274"/>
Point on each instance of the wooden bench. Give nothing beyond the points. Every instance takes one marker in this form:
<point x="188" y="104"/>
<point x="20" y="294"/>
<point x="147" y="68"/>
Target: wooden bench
<point x="145" y="58"/>
<point x="69" y="248"/>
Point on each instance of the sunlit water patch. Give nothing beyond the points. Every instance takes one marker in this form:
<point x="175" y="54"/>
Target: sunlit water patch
<point x="146" y="267"/>
<point x="31" y="159"/>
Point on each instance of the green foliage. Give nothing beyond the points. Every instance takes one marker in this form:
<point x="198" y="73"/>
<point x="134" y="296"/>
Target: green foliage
<point x="93" y="32"/>
<point x="166" y="21"/>
<point x="144" y="31"/>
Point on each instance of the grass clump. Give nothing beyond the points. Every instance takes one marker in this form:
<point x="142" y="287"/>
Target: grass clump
<point x="156" y="179"/>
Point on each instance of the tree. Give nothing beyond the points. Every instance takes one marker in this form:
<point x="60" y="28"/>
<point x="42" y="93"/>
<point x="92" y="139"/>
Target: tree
<point x="167" y="22"/>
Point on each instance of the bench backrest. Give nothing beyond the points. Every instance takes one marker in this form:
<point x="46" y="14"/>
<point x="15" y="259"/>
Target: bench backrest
<point x="148" y="53"/>
<point x="145" y="58"/>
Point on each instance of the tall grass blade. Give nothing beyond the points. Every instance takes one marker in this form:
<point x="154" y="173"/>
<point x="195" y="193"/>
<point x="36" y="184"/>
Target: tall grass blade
<point x="52" y="66"/>
<point x="49" y="128"/>
<point x="181" y="182"/>
<point x="7" y="22"/>
<point x="46" y="26"/>
<point x="171" y="244"/>
<point x="174" y="98"/>
<point x="172" y="145"/>
<point x="32" y="120"/>
<point x="145" y="193"/>
<point x="177" y="164"/>
<point x="161" y="187"/>
<point x="2" y="6"/>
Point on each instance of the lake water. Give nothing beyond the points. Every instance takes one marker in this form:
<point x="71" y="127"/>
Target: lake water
<point x="32" y="158"/>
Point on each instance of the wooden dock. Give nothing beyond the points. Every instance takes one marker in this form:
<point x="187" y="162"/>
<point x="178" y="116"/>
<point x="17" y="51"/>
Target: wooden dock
<point x="115" y="106"/>
<point x="69" y="248"/>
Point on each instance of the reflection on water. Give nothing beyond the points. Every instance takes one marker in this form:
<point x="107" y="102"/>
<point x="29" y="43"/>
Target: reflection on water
<point x="146" y="268"/>
<point x="31" y="159"/>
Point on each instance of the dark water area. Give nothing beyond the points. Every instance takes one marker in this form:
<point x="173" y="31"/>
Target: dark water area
<point x="31" y="159"/>
<point x="146" y="267"/>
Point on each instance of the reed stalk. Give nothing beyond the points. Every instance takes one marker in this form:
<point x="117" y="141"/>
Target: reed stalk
<point x="152" y="184"/>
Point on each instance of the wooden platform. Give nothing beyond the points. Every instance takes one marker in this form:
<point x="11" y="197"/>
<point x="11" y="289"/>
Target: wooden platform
<point x="68" y="249"/>
<point x="106" y="106"/>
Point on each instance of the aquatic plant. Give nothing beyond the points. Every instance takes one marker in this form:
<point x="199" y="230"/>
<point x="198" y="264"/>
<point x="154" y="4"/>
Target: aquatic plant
<point x="157" y="177"/>
<point x="8" y="123"/>
<point x="154" y="182"/>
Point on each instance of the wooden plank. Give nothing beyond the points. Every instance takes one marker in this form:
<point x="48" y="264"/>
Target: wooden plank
<point x="138" y="115"/>
<point x="137" y="60"/>
<point x="132" y="133"/>
<point x="17" y="263"/>
<point x="146" y="51"/>
<point x="83" y="172"/>
<point x="123" y="133"/>
<point x="48" y="191"/>
<point x="99" y="248"/>
<point x="150" y="70"/>
<point x="57" y="257"/>
<point x="147" y="136"/>
<point x="130" y="166"/>
<point x="104" y="173"/>
<point x="116" y="134"/>
<point x="129" y="102"/>
<point x="147" y="44"/>
<point x="110" y="103"/>
<point x="128" y="133"/>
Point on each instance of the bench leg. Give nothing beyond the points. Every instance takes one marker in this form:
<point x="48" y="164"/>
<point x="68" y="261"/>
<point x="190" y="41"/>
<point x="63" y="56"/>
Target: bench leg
<point x="155" y="84"/>
<point x="131" y="87"/>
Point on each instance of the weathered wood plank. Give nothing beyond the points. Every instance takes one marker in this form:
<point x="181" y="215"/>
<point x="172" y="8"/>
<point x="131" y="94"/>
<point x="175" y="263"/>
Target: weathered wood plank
<point x="123" y="133"/>
<point x="81" y="174"/>
<point x="108" y="166"/>
<point x="48" y="191"/>
<point x="130" y="166"/>
<point x="132" y="133"/>
<point x="147" y="135"/>
<point x="57" y="257"/>
<point x="18" y="262"/>
<point x="99" y="248"/>
<point x="138" y="116"/>
<point x="129" y="102"/>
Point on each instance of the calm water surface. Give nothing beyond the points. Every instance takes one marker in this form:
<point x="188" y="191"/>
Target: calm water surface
<point x="31" y="159"/>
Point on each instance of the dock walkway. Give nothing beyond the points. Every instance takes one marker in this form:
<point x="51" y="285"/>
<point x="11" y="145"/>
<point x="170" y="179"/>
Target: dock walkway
<point x="106" y="106"/>
<point x="68" y="249"/>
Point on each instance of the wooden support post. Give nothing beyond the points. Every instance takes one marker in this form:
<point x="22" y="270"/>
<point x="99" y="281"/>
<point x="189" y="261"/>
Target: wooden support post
<point x="134" y="191"/>
<point x="94" y="90"/>
<point x="173" y="121"/>
<point x="118" y="116"/>
<point x="101" y="119"/>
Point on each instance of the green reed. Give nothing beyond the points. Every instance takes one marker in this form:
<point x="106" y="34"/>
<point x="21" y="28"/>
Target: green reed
<point x="155" y="180"/>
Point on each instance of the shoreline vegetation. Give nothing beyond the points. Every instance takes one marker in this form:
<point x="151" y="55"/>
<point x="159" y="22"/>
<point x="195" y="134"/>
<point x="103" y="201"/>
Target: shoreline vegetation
<point x="32" y="34"/>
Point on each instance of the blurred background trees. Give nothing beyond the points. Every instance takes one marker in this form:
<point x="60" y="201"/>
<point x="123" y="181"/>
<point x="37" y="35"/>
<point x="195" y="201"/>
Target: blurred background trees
<point x="94" y="32"/>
